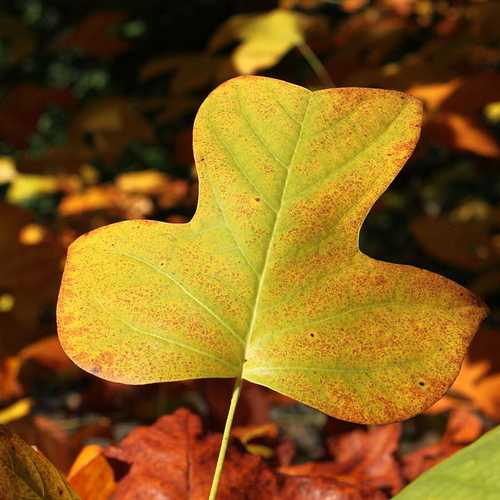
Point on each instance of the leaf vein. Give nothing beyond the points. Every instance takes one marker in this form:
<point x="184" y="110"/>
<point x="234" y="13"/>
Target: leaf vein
<point x="256" y="134"/>
<point x="185" y="290"/>
<point x="157" y="336"/>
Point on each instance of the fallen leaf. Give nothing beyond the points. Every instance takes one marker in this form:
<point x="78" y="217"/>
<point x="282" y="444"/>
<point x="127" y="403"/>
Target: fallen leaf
<point x="17" y="410"/>
<point x="464" y="244"/>
<point x="478" y="383"/>
<point x="55" y="440"/>
<point x="463" y="428"/>
<point x="435" y="94"/>
<point x="91" y="476"/>
<point x="248" y="434"/>
<point x="8" y="170"/>
<point x="324" y="488"/>
<point x="264" y="38"/>
<point x="462" y="132"/>
<point x="105" y="127"/>
<point x="369" y="456"/>
<point x="97" y="35"/>
<point x="46" y="352"/>
<point x="364" y="462"/>
<point x="469" y="474"/>
<point x="25" y="187"/>
<point x="26" y="473"/>
<point x="455" y="112"/>
<point x="106" y="198"/>
<point x="191" y="72"/>
<point x="170" y="459"/>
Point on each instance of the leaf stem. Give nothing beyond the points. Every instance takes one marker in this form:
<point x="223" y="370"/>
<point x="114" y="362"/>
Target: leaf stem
<point x="315" y="64"/>
<point x="225" y="438"/>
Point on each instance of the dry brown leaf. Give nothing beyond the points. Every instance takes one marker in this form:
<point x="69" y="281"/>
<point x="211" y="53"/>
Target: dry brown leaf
<point x="191" y="71"/>
<point x="170" y="459"/>
<point x="463" y="428"/>
<point x="369" y="456"/>
<point x="91" y="476"/>
<point x="97" y="35"/>
<point x="363" y="461"/>
<point x="464" y="244"/>
<point x="46" y="352"/>
<point x="455" y="112"/>
<point x="56" y="443"/>
<point x="434" y="94"/>
<point x="461" y="132"/>
<point x="27" y="474"/>
<point x="478" y="383"/>
<point x="106" y="127"/>
<point x="248" y="434"/>
<point x="108" y="199"/>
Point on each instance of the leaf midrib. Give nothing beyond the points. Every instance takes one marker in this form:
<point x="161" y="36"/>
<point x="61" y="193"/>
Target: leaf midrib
<point x="271" y="240"/>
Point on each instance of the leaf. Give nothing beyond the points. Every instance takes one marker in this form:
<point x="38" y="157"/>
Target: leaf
<point x="467" y="244"/>
<point x="191" y="71"/>
<point x="248" y="434"/>
<point x="106" y="126"/>
<point x="26" y="187"/>
<point x="462" y="132"/>
<point x="463" y="428"/>
<point x="54" y="439"/>
<point x="97" y="35"/>
<point x="27" y="474"/>
<point x="171" y="458"/>
<point x="479" y="378"/>
<point x="471" y="474"/>
<point x="267" y="281"/>
<point x="17" y="410"/>
<point x="456" y="110"/>
<point x="46" y="352"/>
<point x="91" y="476"/>
<point x="265" y="38"/>
<point x="361" y="459"/>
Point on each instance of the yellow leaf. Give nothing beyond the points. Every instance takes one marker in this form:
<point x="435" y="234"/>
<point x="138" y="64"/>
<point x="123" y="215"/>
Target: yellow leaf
<point x="16" y="411"/>
<point x="267" y="282"/>
<point x="265" y="38"/>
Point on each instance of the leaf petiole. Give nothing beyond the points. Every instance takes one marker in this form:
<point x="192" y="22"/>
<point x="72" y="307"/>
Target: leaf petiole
<point x="225" y="438"/>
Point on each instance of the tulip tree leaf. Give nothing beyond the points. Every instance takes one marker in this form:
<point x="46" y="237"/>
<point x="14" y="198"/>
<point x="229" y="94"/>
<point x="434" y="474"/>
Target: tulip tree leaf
<point x="470" y="474"/>
<point x="26" y="474"/>
<point x="267" y="281"/>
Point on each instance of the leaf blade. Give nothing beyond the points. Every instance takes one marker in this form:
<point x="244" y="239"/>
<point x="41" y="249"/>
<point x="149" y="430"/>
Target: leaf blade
<point x="26" y="473"/>
<point x="287" y="178"/>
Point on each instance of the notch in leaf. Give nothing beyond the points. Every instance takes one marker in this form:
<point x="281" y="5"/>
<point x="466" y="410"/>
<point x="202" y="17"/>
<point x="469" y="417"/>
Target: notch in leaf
<point x="267" y="282"/>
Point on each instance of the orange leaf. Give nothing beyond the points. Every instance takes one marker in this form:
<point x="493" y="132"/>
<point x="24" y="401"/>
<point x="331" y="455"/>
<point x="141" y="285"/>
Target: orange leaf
<point x="91" y="476"/>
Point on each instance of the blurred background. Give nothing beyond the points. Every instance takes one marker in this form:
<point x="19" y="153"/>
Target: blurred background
<point x="97" y="101"/>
